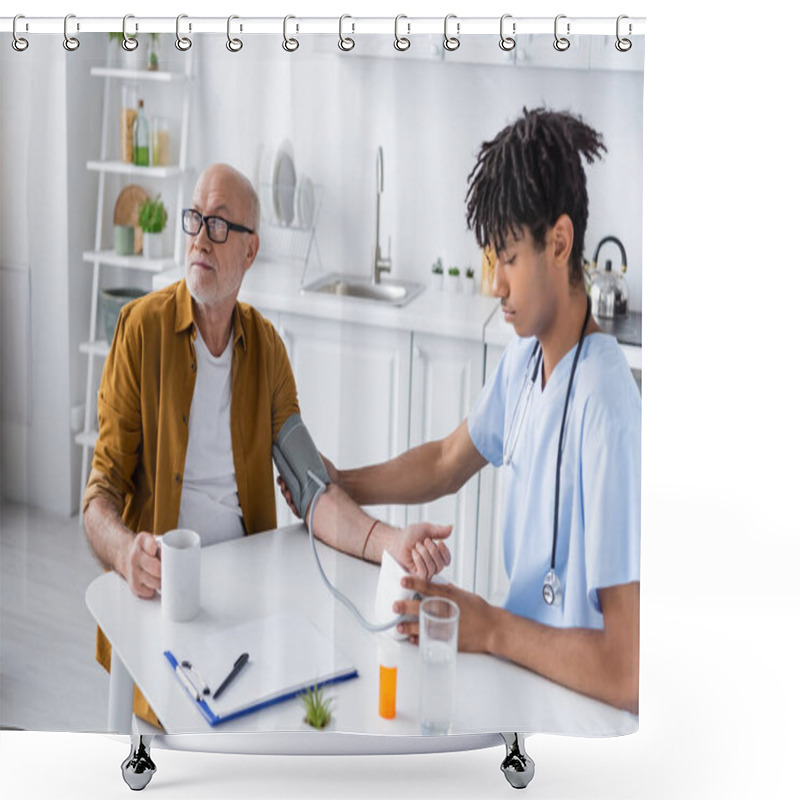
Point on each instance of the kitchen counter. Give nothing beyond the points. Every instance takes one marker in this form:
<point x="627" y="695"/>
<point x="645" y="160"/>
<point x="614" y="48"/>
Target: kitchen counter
<point x="273" y="287"/>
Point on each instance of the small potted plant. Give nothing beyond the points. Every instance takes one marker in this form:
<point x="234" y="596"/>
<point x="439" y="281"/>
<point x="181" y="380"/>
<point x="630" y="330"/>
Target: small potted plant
<point x="317" y="706"/>
<point x="152" y="221"/>
<point x="453" y="279"/>
<point x="152" y="52"/>
<point x="437" y="271"/>
<point x="469" y="281"/>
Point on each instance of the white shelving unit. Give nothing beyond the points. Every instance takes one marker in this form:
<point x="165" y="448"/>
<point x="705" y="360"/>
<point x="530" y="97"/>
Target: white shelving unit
<point x="96" y="348"/>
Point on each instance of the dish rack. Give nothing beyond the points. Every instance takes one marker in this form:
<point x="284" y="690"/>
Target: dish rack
<point x="293" y="242"/>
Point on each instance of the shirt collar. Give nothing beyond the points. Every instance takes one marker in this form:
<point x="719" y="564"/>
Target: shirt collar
<point x="184" y="316"/>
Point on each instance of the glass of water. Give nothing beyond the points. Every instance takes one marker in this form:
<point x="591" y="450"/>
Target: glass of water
<point x="438" y="644"/>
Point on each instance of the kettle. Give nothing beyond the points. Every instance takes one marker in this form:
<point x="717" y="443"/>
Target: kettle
<point x="608" y="289"/>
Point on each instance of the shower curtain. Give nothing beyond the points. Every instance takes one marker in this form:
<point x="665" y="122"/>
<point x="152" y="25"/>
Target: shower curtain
<point x="361" y="160"/>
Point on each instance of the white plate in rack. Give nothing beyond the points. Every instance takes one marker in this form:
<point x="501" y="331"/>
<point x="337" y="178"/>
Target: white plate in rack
<point x="284" y="183"/>
<point x="304" y="202"/>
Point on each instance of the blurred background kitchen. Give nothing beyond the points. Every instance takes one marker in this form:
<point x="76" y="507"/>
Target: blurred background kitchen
<point x="375" y="375"/>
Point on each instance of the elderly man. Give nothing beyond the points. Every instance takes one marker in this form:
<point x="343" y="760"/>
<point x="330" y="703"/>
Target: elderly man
<point x="195" y="390"/>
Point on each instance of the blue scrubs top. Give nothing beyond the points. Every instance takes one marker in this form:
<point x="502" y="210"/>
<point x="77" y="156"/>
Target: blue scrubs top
<point x="599" y="518"/>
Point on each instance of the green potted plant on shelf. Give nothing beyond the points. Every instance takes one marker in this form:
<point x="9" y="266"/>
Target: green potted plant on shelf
<point x="152" y="221"/>
<point x="469" y="281"/>
<point x="437" y="273"/>
<point x="453" y="279"/>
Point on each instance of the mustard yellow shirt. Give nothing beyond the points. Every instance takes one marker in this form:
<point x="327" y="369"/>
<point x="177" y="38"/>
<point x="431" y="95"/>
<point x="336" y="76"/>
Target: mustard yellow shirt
<point x="143" y="414"/>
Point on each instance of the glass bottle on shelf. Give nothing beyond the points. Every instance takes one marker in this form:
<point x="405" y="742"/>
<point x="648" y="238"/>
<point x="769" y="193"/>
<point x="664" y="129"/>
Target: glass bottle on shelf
<point x="141" y="138"/>
<point x="126" y="120"/>
<point x="160" y="141"/>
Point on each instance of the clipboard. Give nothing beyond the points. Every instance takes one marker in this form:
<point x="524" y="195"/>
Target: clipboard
<point x="288" y="655"/>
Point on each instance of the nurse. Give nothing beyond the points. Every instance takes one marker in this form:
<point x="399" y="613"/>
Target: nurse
<point x="561" y="416"/>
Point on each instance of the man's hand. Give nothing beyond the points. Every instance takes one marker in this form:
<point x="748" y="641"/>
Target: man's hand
<point x="420" y="550"/>
<point x="475" y="618"/>
<point x="333" y="474"/>
<point x="143" y="565"/>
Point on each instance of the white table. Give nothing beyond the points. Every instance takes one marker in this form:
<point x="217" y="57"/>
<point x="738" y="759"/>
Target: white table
<point x="273" y="571"/>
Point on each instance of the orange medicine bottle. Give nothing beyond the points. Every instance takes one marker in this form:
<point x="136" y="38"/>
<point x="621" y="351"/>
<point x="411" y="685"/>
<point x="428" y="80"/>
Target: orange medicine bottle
<point x="387" y="680"/>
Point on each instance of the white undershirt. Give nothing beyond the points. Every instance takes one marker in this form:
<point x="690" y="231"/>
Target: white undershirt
<point x="209" y="499"/>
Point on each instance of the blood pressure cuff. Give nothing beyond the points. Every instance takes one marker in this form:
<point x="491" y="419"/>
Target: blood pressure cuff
<point x="295" y="454"/>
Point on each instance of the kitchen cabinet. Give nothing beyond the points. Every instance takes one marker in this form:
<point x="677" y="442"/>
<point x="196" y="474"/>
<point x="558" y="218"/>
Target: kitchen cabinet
<point x="491" y="581"/>
<point x="353" y="387"/>
<point x="446" y="377"/>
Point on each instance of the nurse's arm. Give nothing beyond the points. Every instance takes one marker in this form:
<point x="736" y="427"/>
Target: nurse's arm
<point x="600" y="663"/>
<point x="419" y="475"/>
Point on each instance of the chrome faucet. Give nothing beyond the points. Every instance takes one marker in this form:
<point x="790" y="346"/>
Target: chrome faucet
<point x="381" y="264"/>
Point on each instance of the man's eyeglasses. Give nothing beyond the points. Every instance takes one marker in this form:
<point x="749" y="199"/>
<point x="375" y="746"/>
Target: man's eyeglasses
<point x="216" y="227"/>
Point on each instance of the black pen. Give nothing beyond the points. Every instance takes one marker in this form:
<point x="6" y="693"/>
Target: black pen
<point x="237" y="668"/>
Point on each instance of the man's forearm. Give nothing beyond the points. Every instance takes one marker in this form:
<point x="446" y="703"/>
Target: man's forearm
<point x="108" y="537"/>
<point x="582" y="659"/>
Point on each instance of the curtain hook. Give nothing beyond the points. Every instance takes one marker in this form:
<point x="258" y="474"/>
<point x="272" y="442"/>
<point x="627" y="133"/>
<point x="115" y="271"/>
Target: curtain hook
<point x="623" y="45"/>
<point x="183" y="43"/>
<point x="233" y="45"/>
<point x="18" y="43"/>
<point x="451" y="42"/>
<point x="129" y="43"/>
<point x="401" y="43"/>
<point x="507" y="43"/>
<point x="71" y="43"/>
<point x="345" y="42"/>
<point x="561" y="43"/>
<point x="289" y="44"/>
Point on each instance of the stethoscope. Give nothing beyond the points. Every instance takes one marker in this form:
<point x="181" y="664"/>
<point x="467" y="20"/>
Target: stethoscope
<point x="551" y="588"/>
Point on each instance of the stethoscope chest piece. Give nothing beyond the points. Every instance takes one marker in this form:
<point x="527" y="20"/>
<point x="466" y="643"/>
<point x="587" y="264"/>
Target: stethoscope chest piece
<point x="551" y="590"/>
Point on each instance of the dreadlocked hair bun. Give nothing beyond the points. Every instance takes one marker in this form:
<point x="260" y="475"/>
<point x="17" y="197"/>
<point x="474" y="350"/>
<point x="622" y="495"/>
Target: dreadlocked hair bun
<point x="529" y="175"/>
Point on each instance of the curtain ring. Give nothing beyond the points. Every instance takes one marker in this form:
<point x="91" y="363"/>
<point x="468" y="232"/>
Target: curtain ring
<point x="507" y="43"/>
<point x="451" y="42"/>
<point x="401" y="43"/>
<point x="289" y="44"/>
<point x="183" y="43"/>
<point x="71" y="43"/>
<point x="18" y="43"/>
<point x="129" y="43"/>
<point x="233" y="45"/>
<point x="561" y="43"/>
<point x="623" y="45"/>
<point x="345" y="42"/>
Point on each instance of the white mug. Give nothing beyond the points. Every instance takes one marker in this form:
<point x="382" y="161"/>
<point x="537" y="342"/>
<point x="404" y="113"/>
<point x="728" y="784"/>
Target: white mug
<point x="180" y="574"/>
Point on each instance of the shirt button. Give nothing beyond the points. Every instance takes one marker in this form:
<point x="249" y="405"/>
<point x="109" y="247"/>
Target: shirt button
<point x="177" y="477"/>
<point x="194" y="366"/>
<point x="184" y="419"/>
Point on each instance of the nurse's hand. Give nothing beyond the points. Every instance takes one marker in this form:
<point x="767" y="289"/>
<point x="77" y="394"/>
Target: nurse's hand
<point x="143" y="565"/>
<point x="333" y="474"/>
<point x="475" y="621"/>
<point x="420" y="549"/>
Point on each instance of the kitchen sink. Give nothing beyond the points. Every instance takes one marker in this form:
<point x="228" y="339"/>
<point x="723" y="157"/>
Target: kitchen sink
<point x="389" y="292"/>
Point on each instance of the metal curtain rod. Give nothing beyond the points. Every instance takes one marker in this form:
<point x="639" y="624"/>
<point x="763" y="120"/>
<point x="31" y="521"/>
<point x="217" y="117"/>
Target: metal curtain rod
<point x="460" y="26"/>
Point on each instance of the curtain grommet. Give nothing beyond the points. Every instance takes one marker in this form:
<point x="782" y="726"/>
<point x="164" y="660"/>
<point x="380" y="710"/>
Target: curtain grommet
<point x="401" y="43"/>
<point x="451" y="43"/>
<point x="507" y="43"/>
<point x="182" y="43"/>
<point x="346" y="43"/>
<point x="289" y="44"/>
<point x="623" y="45"/>
<point x="18" y="42"/>
<point x="561" y="43"/>
<point x="233" y="44"/>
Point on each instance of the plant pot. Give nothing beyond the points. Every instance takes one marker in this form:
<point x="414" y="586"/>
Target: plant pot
<point x="124" y="239"/>
<point x="153" y="245"/>
<point x="111" y="303"/>
<point x="468" y="287"/>
<point x="452" y="283"/>
<point x="436" y="280"/>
